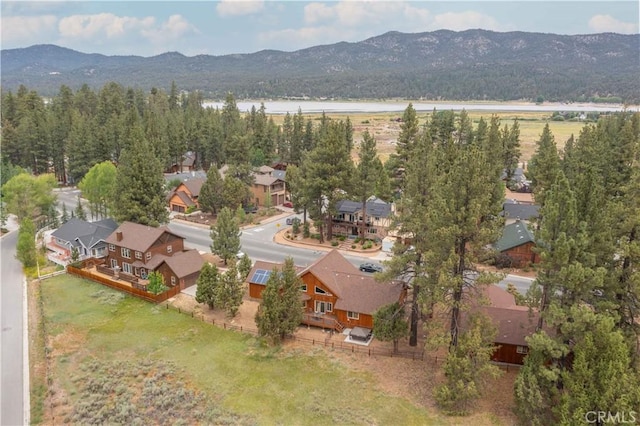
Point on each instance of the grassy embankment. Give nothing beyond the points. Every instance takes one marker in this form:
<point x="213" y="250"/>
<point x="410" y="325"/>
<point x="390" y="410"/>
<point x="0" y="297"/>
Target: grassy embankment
<point x="121" y="359"/>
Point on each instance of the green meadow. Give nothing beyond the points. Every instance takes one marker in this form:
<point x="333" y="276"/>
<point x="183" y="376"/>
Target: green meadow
<point x="116" y="359"/>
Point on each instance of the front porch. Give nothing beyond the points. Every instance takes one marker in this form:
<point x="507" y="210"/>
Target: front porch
<point x="321" y="320"/>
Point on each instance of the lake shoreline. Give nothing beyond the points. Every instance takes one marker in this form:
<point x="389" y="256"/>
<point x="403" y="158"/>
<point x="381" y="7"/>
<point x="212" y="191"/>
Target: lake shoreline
<point x="290" y="106"/>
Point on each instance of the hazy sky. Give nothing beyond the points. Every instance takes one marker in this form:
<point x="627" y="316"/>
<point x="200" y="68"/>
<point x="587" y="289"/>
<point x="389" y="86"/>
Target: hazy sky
<point x="148" y="28"/>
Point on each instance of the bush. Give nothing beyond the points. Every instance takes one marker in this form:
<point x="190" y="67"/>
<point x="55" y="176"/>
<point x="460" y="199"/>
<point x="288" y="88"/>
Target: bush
<point x="367" y="245"/>
<point x="342" y="237"/>
<point x="334" y="243"/>
<point x="305" y="230"/>
<point x="353" y="246"/>
<point x="503" y="260"/>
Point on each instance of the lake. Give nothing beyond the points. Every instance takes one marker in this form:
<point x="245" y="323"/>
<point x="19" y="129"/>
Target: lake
<point x="357" y="107"/>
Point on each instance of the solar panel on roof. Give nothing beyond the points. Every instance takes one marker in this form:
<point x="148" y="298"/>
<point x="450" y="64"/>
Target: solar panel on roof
<point x="261" y="276"/>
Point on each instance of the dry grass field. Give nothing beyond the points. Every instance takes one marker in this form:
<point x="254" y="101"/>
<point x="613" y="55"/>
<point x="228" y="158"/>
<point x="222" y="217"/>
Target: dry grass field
<point x="385" y="127"/>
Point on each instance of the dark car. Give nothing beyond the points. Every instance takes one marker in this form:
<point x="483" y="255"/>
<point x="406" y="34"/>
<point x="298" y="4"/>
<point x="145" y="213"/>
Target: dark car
<point x="370" y="267"/>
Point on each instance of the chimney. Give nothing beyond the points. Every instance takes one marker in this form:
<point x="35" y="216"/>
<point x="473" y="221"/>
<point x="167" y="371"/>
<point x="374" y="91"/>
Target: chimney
<point x="119" y="236"/>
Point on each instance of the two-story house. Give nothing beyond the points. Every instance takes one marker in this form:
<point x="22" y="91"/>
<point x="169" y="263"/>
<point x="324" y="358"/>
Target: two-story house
<point x="137" y="250"/>
<point x="186" y="195"/>
<point x="349" y="217"/>
<point x="267" y="188"/>
<point x="335" y="294"/>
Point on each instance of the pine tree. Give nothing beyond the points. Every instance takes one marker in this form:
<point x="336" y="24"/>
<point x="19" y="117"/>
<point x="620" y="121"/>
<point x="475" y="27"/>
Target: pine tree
<point x="207" y="285"/>
<point x="79" y="211"/>
<point x="365" y="176"/>
<point x="244" y="267"/>
<point x="65" y="214"/>
<point x="210" y="198"/>
<point x="544" y="165"/>
<point x="225" y="235"/>
<point x="389" y="324"/>
<point x="230" y="291"/>
<point x="280" y="311"/>
<point x="139" y="189"/>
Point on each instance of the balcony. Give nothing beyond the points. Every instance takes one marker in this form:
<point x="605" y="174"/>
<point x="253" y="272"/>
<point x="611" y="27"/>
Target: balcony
<point x="321" y="320"/>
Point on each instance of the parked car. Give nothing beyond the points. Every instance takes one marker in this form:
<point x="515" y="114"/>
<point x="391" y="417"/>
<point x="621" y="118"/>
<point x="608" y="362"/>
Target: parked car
<point x="292" y="220"/>
<point x="240" y="255"/>
<point x="370" y="267"/>
<point x="287" y="204"/>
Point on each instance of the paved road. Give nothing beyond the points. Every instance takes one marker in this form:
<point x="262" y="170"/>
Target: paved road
<point x="258" y="243"/>
<point x="13" y="410"/>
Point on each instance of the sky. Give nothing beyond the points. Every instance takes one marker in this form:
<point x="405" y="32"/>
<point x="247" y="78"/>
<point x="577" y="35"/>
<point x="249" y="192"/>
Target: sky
<point x="148" y="28"/>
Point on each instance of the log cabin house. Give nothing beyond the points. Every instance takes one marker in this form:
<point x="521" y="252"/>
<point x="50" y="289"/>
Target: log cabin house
<point x="335" y="294"/>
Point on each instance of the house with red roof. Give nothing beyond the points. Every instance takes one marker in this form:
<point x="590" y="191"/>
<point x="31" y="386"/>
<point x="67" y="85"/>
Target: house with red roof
<point x="335" y="294"/>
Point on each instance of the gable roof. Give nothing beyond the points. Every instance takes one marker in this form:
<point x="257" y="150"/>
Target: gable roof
<point x="375" y="207"/>
<point x="80" y="232"/>
<point x="360" y="293"/>
<point x="184" y="263"/>
<point x="264" y="170"/>
<point x="514" y="235"/>
<point x="265" y="266"/>
<point x="520" y="211"/>
<point x="138" y="237"/>
<point x="194" y="185"/>
<point x="513" y="326"/>
<point x="264" y="180"/>
<point x="186" y="200"/>
<point x="327" y="265"/>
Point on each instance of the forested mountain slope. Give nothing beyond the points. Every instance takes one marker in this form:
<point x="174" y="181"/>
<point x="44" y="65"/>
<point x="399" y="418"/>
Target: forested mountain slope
<point x="473" y="64"/>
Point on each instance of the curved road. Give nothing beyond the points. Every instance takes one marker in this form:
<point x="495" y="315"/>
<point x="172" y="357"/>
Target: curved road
<point x="14" y="394"/>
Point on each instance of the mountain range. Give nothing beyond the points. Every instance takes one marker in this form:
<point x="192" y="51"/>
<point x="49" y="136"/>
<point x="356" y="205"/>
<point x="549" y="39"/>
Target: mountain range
<point x="467" y="65"/>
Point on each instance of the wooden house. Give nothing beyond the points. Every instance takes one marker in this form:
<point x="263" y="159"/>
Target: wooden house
<point x="137" y="250"/>
<point x="517" y="242"/>
<point x="335" y="294"/>
<point x="513" y="323"/>
<point x="186" y="195"/>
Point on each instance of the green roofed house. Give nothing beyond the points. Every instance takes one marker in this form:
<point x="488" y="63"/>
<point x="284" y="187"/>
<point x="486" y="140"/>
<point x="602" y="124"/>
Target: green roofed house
<point x="517" y="242"/>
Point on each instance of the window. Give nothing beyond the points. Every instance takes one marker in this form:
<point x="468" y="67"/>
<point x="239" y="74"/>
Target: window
<point x="143" y="273"/>
<point x="353" y="315"/>
<point x="114" y="263"/>
<point x="169" y="249"/>
<point x="126" y="267"/>
<point x="173" y="279"/>
<point x="148" y="255"/>
<point x="522" y="350"/>
<point x="372" y="230"/>
<point x="138" y="255"/>
<point x="125" y="252"/>
<point x="112" y="247"/>
<point x="303" y="287"/>
<point x="323" y="307"/>
<point x="318" y="290"/>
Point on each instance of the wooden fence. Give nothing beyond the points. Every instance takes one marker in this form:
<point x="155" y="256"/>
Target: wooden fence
<point x="150" y="297"/>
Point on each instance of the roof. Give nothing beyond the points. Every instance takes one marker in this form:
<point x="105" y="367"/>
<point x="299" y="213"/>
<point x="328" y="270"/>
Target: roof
<point x="356" y="292"/>
<point x="520" y="211"/>
<point x="77" y="231"/>
<point x="375" y="207"/>
<point x="186" y="175"/>
<point x="138" y="237"/>
<point x="260" y="265"/>
<point x="194" y="185"/>
<point x="264" y="170"/>
<point x="514" y="235"/>
<point x="185" y="263"/>
<point x="360" y="293"/>
<point x="265" y="180"/>
<point x="186" y="200"/>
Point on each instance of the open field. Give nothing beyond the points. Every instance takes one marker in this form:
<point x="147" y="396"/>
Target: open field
<point x="385" y="127"/>
<point x="131" y="362"/>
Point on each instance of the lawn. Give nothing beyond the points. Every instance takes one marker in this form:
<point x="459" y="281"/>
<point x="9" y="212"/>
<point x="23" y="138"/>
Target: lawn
<point x="114" y="358"/>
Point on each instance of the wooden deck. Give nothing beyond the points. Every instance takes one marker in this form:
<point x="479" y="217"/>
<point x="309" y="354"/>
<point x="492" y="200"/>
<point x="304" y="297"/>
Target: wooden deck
<point x="322" y="320"/>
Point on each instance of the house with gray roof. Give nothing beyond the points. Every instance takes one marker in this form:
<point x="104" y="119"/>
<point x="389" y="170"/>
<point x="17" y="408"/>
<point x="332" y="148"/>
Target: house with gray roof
<point x="349" y="217"/>
<point x="513" y="211"/>
<point x="88" y="238"/>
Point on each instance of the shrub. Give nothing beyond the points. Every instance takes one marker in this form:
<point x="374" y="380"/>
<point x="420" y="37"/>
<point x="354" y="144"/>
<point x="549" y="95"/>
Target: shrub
<point x="367" y="245"/>
<point x="503" y="260"/>
<point x="342" y="237"/>
<point x="353" y="246"/>
<point x="305" y="230"/>
<point x="334" y="243"/>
